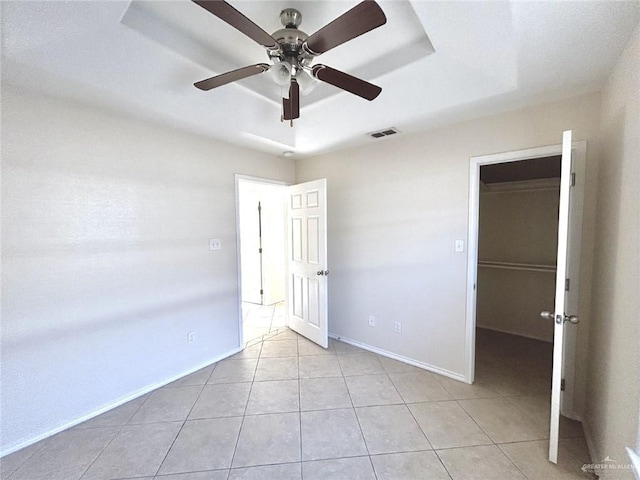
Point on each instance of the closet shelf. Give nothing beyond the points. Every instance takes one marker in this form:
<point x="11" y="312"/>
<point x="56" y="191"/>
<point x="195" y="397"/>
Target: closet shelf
<point x="530" y="267"/>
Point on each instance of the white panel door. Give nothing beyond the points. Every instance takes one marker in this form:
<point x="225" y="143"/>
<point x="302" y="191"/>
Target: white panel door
<point x="307" y="260"/>
<point x="566" y="297"/>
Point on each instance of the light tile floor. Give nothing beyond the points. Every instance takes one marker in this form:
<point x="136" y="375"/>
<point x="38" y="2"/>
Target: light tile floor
<point x="286" y="409"/>
<point x="260" y="321"/>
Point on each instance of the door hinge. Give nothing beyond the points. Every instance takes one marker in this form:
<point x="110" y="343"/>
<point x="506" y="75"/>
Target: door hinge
<point x="261" y="292"/>
<point x="259" y="250"/>
<point x="573" y="179"/>
<point x="567" y="284"/>
<point x="562" y="385"/>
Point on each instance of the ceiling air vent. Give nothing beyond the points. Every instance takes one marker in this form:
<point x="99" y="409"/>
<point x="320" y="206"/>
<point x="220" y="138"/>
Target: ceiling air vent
<point x="383" y="133"/>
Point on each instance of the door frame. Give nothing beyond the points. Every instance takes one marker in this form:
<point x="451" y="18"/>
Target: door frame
<point x="265" y="181"/>
<point x="579" y="149"/>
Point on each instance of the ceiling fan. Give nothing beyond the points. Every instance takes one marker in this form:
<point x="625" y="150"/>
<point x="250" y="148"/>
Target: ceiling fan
<point x="291" y="51"/>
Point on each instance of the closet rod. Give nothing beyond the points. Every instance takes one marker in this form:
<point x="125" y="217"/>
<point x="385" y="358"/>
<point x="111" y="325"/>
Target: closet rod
<point x="530" y="267"/>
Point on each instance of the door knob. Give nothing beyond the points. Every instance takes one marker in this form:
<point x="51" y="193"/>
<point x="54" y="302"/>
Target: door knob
<point x="571" y="319"/>
<point x="547" y="315"/>
<point x="322" y="272"/>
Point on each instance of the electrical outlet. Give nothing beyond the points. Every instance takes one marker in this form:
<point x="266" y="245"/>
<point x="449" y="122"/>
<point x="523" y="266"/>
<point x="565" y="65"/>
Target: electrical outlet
<point x="372" y="321"/>
<point x="215" y="244"/>
<point x="397" y="327"/>
<point x="191" y="337"/>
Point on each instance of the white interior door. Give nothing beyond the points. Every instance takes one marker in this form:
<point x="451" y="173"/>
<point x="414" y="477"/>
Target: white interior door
<point x="566" y="297"/>
<point x="307" y="260"/>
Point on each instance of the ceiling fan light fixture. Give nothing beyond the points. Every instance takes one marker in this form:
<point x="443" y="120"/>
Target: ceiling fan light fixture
<point x="281" y="73"/>
<point x="292" y="50"/>
<point x="307" y="82"/>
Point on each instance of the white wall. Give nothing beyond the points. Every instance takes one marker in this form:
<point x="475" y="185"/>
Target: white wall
<point x="614" y="364"/>
<point x="394" y="210"/>
<point x="105" y="264"/>
<point x="517" y="226"/>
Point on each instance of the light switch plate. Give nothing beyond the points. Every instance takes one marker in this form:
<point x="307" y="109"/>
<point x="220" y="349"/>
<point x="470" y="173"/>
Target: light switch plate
<point x="459" y="246"/>
<point x="215" y="244"/>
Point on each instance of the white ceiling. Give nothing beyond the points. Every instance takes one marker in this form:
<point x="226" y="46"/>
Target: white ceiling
<point x="437" y="62"/>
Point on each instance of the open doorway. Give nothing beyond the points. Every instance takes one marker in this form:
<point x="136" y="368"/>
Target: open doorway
<point x="516" y="275"/>
<point x="524" y="245"/>
<point x="261" y="233"/>
<point x="517" y="249"/>
<point x="282" y="258"/>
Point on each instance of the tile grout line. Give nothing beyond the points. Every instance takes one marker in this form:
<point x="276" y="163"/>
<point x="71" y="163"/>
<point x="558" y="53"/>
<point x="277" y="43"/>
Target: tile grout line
<point x="420" y="427"/>
<point x="508" y="397"/>
<point x="490" y="438"/>
<point x="244" y="413"/>
<point x="29" y="457"/>
<point x="164" y="459"/>
<point x="355" y="414"/>
<point x="476" y="422"/>
<point x="273" y="312"/>
<point x="113" y="438"/>
<point x="300" y="411"/>
<point x="443" y="464"/>
<point x="512" y="462"/>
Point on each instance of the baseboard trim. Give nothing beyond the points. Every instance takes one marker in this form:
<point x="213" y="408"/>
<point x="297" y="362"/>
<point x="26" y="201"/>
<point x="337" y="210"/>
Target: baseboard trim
<point x="595" y="457"/>
<point x="533" y="337"/>
<point x="400" y="358"/>
<point x="573" y="415"/>
<point x="110" y="406"/>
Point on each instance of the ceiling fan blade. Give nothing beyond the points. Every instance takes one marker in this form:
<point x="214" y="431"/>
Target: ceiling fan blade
<point x="362" y="18"/>
<point x="237" y="20"/>
<point x="232" y="76"/>
<point x="346" y="82"/>
<point x="292" y="104"/>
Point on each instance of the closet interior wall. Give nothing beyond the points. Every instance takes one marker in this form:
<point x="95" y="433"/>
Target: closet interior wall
<point x="517" y="243"/>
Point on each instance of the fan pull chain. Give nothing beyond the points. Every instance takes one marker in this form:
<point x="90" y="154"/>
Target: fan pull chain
<point x="282" y="120"/>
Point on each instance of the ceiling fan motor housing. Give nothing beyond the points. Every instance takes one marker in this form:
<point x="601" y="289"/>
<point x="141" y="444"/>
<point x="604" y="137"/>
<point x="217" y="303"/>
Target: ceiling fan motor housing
<point x="290" y="39"/>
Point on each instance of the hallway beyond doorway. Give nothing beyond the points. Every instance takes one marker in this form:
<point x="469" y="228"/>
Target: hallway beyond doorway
<point x="262" y="320"/>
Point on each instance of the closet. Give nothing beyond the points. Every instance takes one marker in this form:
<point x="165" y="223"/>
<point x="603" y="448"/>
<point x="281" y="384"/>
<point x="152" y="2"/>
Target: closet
<point x="517" y="243"/>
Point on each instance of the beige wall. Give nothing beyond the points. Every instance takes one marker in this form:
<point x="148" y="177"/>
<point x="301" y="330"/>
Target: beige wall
<point x="105" y="263"/>
<point x="397" y="206"/>
<point x="517" y="226"/>
<point x="614" y="361"/>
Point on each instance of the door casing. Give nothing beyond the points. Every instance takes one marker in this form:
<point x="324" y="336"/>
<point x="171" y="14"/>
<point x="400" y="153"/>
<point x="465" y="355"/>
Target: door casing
<point x="579" y="152"/>
<point x="240" y="178"/>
